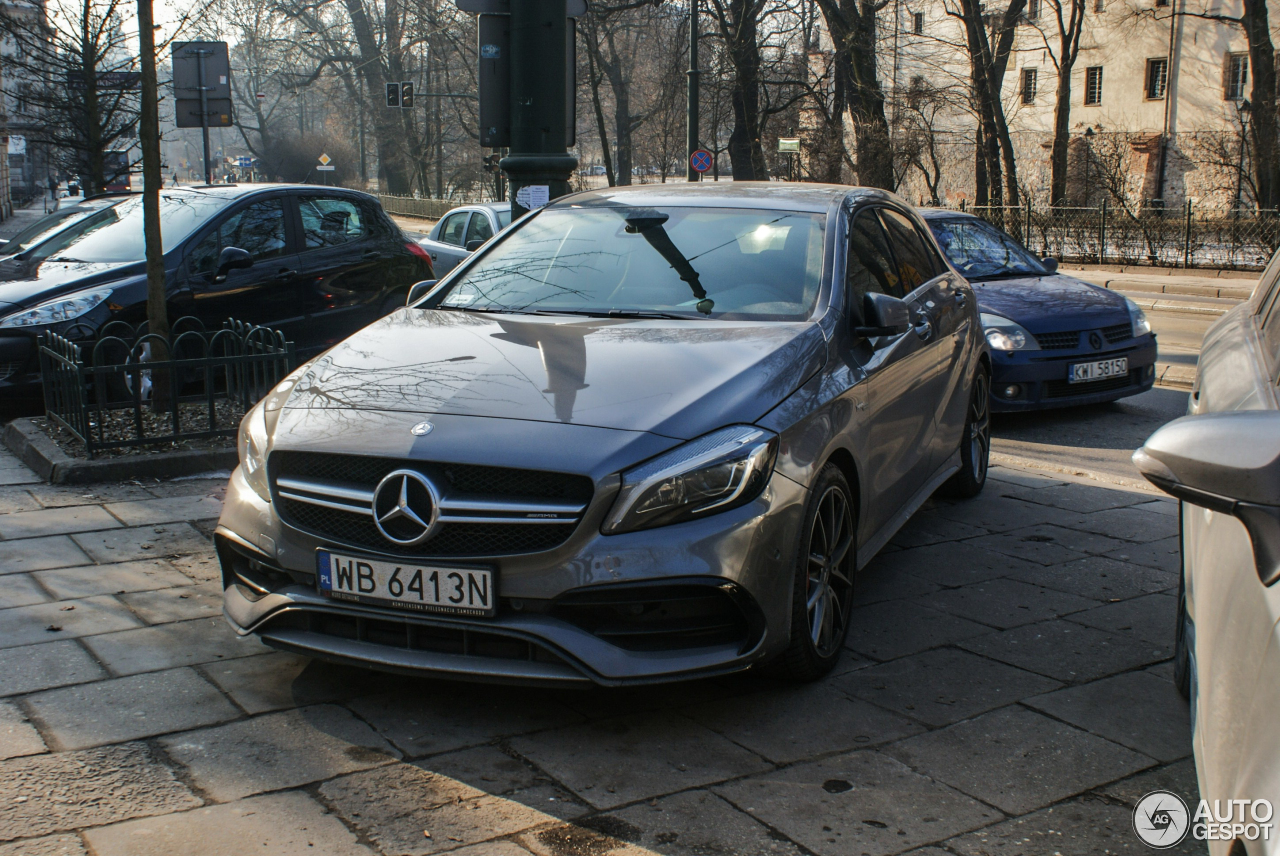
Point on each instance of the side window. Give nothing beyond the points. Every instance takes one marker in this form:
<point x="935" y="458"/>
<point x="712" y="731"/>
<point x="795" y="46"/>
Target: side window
<point x="258" y="229"/>
<point x="869" y="267"/>
<point x="915" y="263"/>
<point x="479" y="228"/>
<point x="329" y="221"/>
<point x="1271" y="340"/>
<point x="454" y="227"/>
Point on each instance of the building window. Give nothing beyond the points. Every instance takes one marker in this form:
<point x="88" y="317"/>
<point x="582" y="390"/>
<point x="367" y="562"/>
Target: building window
<point x="1162" y="3"/>
<point x="1028" y="86"/>
<point x="1033" y="10"/>
<point x="917" y="23"/>
<point x="1093" y="85"/>
<point x="1157" y="76"/>
<point x="1099" y="5"/>
<point x="1236" y="76"/>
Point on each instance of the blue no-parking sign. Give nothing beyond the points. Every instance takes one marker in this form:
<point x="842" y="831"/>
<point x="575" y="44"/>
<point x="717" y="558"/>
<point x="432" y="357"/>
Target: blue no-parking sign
<point x="700" y="160"/>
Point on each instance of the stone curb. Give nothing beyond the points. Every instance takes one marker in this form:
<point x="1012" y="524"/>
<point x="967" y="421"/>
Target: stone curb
<point x="1175" y="376"/>
<point x="1237" y="293"/>
<point x="1180" y="306"/>
<point x="34" y="448"/>
<point x="1146" y="270"/>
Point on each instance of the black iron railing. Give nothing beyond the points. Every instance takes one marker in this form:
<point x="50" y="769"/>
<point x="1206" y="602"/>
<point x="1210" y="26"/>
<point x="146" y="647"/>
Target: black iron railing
<point x="1172" y="237"/>
<point x="125" y="395"/>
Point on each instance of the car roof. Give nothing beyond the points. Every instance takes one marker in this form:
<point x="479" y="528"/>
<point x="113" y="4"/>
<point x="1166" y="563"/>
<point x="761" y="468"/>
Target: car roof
<point x="778" y="195"/>
<point x="940" y="213"/>
<point x="235" y="191"/>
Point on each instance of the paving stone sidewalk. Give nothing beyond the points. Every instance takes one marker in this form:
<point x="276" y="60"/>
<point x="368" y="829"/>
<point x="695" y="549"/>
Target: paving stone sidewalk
<point x="1007" y="690"/>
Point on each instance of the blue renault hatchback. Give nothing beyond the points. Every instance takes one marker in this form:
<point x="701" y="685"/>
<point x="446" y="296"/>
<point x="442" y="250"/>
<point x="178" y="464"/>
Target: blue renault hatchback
<point x="1055" y="341"/>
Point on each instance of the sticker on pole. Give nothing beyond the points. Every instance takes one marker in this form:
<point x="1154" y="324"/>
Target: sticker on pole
<point x="700" y="160"/>
<point x="533" y="196"/>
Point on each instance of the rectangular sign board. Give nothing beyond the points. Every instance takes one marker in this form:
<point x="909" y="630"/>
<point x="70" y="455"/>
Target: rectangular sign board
<point x="186" y="70"/>
<point x="106" y="80"/>
<point x="186" y="113"/>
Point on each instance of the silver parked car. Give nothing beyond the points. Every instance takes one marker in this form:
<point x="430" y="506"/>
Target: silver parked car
<point x="462" y="231"/>
<point x="1223" y="462"/>
<point x="645" y="434"/>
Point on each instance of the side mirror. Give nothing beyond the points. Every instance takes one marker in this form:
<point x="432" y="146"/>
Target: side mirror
<point x="1226" y="462"/>
<point x="419" y="290"/>
<point x="885" y="316"/>
<point x="231" y="258"/>
<point x="474" y="244"/>
<point x="1050" y="265"/>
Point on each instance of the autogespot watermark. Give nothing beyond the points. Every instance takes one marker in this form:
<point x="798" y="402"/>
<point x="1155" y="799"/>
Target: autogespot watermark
<point x="1162" y="820"/>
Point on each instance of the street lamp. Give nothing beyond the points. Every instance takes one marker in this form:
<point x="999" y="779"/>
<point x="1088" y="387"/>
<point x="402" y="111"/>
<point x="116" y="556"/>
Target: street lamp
<point x="1088" y="156"/>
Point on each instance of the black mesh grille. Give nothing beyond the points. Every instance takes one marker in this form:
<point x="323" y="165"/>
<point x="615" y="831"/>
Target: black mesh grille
<point x="656" y="618"/>
<point x="451" y="539"/>
<point x="1058" y="341"/>
<point x="1063" y="389"/>
<point x="1118" y="333"/>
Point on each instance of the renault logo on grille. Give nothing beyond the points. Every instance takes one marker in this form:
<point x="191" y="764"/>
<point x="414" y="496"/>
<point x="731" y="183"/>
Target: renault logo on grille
<point x="1095" y="341"/>
<point x="406" y="507"/>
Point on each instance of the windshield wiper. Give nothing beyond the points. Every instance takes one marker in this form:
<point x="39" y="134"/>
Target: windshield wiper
<point x="1008" y="274"/>
<point x="613" y="313"/>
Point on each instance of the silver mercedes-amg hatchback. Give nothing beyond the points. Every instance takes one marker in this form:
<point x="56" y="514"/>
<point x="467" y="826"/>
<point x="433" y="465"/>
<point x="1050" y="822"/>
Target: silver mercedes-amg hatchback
<point x="645" y="434"/>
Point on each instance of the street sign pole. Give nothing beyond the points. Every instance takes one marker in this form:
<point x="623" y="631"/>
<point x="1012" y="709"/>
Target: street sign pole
<point x="204" y="112"/>
<point x="693" y="175"/>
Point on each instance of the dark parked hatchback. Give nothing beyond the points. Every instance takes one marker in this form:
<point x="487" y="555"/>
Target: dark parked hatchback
<point x="317" y="263"/>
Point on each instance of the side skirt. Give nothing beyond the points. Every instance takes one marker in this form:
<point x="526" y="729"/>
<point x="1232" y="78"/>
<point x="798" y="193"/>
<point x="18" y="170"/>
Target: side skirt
<point x="868" y="551"/>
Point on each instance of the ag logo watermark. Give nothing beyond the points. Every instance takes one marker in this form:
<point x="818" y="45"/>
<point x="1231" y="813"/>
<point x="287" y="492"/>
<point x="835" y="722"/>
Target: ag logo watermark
<point x="1162" y="820"/>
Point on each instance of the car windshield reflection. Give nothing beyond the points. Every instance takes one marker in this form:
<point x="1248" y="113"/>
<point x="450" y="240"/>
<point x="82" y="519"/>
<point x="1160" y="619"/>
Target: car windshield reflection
<point x="662" y="262"/>
<point x="980" y="251"/>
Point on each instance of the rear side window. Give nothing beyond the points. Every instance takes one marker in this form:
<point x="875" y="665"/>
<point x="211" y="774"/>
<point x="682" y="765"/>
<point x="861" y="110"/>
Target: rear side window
<point x="328" y="222"/>
<point x="1271" y="337"/>
<point x="916" y="264"/>
<point x="869" y="268"/>
<point x="454" y="227"/>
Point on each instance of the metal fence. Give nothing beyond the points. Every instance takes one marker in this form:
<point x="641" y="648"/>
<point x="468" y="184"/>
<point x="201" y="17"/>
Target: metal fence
<point x="1180" y="237"/>
<point x="107" y="403"/>
<point x="410" y="206"/>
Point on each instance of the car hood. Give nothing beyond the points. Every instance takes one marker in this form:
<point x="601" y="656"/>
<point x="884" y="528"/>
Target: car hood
<point x="675" y="378"/>
<point x="1049" y="303"/>
<point x="24" y="283"/>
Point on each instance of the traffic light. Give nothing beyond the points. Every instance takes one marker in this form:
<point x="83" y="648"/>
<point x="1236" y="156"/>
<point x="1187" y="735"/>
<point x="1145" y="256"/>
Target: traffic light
<point x="406" y="95"/>
<point x="393" y="95"/>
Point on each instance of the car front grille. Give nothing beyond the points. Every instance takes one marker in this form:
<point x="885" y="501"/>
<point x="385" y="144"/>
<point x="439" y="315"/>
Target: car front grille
<point x="1058" y="341"/>
<point x="484" y="511"/>
<point x="1063" y="389"/>
<point x="1118" y="333"/>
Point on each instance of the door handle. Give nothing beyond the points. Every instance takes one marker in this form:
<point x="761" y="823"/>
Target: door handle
<point x="924" y="329"/>
<point x="962" y="299"/>
<point x="285" y="273"/>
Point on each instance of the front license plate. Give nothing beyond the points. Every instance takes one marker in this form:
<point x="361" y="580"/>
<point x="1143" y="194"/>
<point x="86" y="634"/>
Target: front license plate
<point x="1099" y="370"/>
<point x="426" y="588"/>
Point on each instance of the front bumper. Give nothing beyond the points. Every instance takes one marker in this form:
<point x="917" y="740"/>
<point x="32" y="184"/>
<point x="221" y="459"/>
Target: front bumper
<point x="740" y="562"/>
<point x="1041" y="377"/>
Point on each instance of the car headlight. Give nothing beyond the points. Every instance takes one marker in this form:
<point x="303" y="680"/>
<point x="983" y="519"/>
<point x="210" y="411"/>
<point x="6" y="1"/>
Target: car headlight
<point x="722" y="470"/>
<point x="253" y="446"/>
<point x="1006" y="335"/>
<point x="57" y="311"/>
<point x="1141" y="326"/>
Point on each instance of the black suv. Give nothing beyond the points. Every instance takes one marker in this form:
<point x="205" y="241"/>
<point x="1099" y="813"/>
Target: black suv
<point x="318" y="263"/>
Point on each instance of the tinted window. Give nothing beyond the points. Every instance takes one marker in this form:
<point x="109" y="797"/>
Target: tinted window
<point x="115" y="234"/>
<point x="869" y="267"/>
<point x="479" y="228"/>
<point x="454" y="227"/>
<point x="328" y="222"/>
<point x="258" y="229"/>
<point x="915" y="264"/>
<point x="721" y="262"/>
<point x="504" y="218"/>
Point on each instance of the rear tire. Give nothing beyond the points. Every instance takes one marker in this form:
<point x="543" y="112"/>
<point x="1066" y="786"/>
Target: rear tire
<point x="822" y="594"/>
<point x="975" y="442"/>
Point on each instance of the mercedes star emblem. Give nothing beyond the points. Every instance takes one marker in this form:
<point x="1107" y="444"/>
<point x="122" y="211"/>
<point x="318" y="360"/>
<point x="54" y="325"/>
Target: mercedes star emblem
<point x="406" y="507"/>
<point x="422" y="429"/>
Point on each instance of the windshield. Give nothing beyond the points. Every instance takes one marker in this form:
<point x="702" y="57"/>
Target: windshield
<point x="115" y="234"/>
<point x="981" y="251"/>
<point x="687" y="262"/>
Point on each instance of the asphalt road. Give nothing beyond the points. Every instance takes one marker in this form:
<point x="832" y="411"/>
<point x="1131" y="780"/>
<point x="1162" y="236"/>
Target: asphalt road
<point x="1179" y="335"/>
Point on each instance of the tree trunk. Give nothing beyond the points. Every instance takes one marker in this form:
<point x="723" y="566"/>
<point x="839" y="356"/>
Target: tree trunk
<point x="388" y="129"/>
<point x="745" y="151"/>
<point x="1061" y="137"/>
<point x="149" y="138"/>
<point x="1262" y="57"/>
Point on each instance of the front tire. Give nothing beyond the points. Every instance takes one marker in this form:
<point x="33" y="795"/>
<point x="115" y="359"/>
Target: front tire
<point x="975" y="442"/>
<point x="822" y="596"/>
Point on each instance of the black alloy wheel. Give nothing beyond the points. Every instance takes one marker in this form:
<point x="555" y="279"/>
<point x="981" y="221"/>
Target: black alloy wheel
<point x="823" y="594"/>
